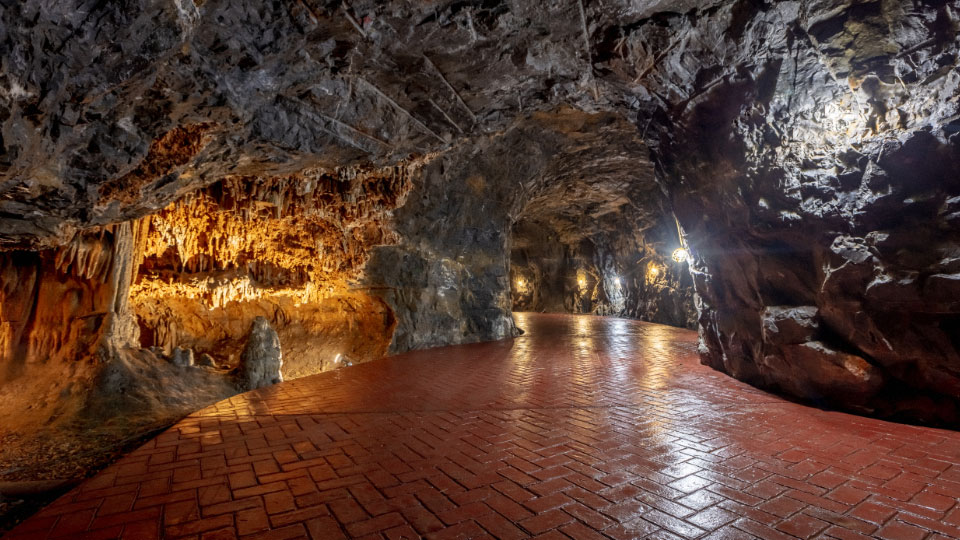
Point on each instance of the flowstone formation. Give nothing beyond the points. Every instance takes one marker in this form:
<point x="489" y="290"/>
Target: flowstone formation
<point x="376" y="176"/>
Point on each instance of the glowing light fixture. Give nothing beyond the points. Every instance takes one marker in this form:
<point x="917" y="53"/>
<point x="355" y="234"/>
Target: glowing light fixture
<point x="653" y="271"/>
<point x="681" y="254"/>
<point x="616" y="280"/>
<point x="581" y="282"/>
<point x="520" y="283"/>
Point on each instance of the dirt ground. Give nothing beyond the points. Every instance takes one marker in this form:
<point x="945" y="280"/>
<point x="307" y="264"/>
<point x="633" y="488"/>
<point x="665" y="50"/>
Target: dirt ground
<point x="62" y="457"/>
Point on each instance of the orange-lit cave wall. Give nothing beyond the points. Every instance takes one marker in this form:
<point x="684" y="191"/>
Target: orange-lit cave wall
<point x="62" y="312"/>
<point x="87" y="329"/>
<point x="290" y="249"/>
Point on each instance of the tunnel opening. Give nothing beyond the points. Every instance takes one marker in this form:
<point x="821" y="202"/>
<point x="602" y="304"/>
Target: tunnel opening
<point x="628" y="273"/>
<point x="594" y="234"/>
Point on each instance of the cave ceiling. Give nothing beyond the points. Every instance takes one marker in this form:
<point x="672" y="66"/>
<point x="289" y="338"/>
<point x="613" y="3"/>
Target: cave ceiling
<point x="600" y="180"/>
<point x="112" y="112"/>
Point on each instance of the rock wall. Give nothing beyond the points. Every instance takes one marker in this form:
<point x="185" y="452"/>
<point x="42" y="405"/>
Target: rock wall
<point x="448" y="279"/>
<point x="62" y="309"/>
<point x="812" y="163"/>
<point x="69" y="342"/>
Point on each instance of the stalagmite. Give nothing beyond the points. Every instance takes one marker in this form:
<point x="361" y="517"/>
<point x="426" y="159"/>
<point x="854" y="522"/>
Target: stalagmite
<point x="261" y="363"/>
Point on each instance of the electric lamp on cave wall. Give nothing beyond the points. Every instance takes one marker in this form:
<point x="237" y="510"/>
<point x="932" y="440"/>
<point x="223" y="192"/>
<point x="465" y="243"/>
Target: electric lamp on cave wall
<point x="653" y="272"/>
<point x="521" y="285"/>
<point x="681" y="254"/>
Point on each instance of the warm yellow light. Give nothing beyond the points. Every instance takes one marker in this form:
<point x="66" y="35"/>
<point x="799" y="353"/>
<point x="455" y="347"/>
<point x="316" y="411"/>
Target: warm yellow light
<point x="653" y="271"/>
<point x="581" y="282"/>
<point x="520" y="283"/>
<point x="681" y="254"/>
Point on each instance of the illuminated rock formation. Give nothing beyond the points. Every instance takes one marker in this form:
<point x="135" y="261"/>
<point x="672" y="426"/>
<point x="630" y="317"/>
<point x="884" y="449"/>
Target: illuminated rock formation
<point x="62" y="311"/>
<point x="812" y="164"/>
<point x="103" y="334"/>
<point x="290" y="249"/>
<point x="261" y="362"/>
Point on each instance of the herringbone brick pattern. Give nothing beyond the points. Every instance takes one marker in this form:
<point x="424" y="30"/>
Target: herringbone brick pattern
<point x="584" y="428"/>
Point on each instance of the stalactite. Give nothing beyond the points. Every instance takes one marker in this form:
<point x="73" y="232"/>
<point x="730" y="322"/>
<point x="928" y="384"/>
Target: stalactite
<point x="281" y="247"/>
<point x="295" y="228"/>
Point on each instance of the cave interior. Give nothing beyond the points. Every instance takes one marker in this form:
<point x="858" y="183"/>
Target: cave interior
<point x="188" y="187"/>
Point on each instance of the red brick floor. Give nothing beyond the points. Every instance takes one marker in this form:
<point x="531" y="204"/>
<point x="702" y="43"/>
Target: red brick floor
<point x="583" y="428"/>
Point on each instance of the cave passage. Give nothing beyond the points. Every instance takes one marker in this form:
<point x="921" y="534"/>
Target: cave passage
<point x="200" y="199"/>
<point x="625" y="271"/>
<point x="583" y="426"/>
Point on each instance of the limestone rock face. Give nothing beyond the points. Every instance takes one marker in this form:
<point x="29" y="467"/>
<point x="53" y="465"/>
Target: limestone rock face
<point x="788" y="325"/>
<point x="814" y="371"/>
<point x="63" y="312"/>
<point x="580" y="176"/>
<point x="262" y="360"/>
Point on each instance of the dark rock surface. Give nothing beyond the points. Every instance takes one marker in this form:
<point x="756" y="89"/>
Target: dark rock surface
<point x="581" y="176"/>
<point x="261" y="363"/>
<point x="813" y="164"/>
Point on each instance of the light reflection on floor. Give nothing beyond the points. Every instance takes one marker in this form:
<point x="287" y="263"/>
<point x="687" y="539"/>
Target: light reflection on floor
<point x="582" y="427"/>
